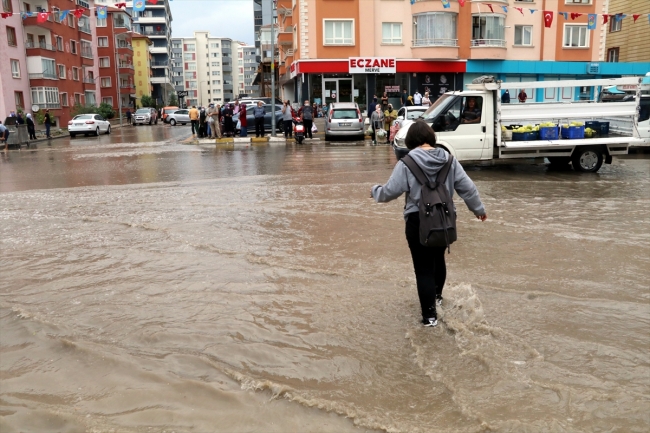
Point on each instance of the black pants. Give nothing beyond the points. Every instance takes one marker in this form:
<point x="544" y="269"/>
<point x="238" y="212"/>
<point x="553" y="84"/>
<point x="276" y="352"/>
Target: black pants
<point x="259" y="127"/>
<point x="308" y="123"/>
<point x="288" y="128"/>
<point x="32" y="132"/>
<point x="429" y="265"/>
<point x="195" y="127"/>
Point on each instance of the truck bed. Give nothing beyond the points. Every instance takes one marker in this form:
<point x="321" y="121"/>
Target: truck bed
<point x="540" y="148"/>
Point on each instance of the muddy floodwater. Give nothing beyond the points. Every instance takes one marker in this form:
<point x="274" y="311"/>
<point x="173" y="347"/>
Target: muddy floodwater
<point x="149" y="287"/>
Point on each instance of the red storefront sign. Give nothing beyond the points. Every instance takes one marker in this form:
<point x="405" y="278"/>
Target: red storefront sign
<point x="372" y="65"/>
<point x="403" y="66"/>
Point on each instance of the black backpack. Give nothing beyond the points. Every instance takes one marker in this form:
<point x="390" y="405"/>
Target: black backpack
<point x="437" y="212"/>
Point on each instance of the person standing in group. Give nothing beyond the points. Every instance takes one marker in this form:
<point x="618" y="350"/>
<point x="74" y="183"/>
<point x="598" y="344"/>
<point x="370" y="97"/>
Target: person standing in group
<point x="258" y="114"/>
<point x="384" y="102"/>
<point x="287" y="119"/>
<point x="390" y="114"/>
<point x="377" y="122"/>
<point x="128" y="116"/>
<point x="228" y="127"/>
<point x="243" y="132"/>
<point x="372" y="106"/>
<point x="428" y="262"/>
<point x="307" y="117"/>
<point x="202" y="126"/>
<point x="522" y="96"/>
<point x="4" y="135"/>
<point x="409" y="101"/>
<point x="19" y="119"/>
<point x="194" y="120"/>
<point x="404" y="97"/>
<point x="215" y="125"/>
<point x="505" y="98"/>
<point x="417" y="98"/>
<point x="31" y="128"/>
<point x="426" y="102"/>
<point x="48" y="123"/>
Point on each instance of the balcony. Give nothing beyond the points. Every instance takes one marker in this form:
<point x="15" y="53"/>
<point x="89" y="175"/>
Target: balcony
<point x="44" y="76"/>
<point x="87" y="53"/>
<point x="48" y="105"/>
<point x="124" y="48"/>
<point x="83" y="4"/>
<point x="161" y="32"/>
<point x="285" y="38"/>
<point x="89" y="83"/>
<point x="39" y="49"/>
<point x="158" y="50"/>
<point x="488" y="49"/>
<point x="125" y="68"/>
<point x="435" y="43"/>
<point x="85" y="28"/>
<point x="159" y="64"/>
<point x="226" y="68"/>
<point x="227" y="87"/>
<point x="127" y="88"/>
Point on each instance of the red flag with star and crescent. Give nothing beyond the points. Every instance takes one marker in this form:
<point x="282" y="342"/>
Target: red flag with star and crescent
<point x="548" y="18"/>
<point x="42" y="17"/>
<point x="605" y="18"/>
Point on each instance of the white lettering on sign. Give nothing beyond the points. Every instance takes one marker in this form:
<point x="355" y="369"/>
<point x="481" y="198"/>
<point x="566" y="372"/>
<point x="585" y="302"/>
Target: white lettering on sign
<point x="372" y="65"/>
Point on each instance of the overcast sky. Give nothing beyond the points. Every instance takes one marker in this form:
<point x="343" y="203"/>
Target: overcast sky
<point x="223" y="18"/>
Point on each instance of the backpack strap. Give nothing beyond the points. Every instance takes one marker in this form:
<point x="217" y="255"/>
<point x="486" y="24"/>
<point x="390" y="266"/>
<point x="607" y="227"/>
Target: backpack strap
<point x="419" y="174"/>
<point x="444" y="171"/>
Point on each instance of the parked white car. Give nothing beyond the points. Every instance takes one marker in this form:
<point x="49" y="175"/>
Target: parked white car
<point x="88" y="124"/>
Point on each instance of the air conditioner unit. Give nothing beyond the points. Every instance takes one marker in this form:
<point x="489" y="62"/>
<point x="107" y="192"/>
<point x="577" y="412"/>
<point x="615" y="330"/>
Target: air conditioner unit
<point x="593" y="68"/>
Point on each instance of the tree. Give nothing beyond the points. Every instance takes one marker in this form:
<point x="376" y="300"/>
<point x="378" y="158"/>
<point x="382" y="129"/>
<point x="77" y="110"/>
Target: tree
<point x="106" y="110"/>
<point x="173" y="100"/>
<point x="147" y="101"/>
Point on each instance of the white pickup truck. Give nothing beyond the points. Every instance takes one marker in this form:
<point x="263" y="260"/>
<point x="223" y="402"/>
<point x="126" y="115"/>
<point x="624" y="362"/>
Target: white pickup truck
<point x="474" y="131"/>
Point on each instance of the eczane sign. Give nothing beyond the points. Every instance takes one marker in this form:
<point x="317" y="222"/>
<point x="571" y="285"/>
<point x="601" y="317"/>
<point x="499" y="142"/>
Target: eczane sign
<point x="372" y="65"/>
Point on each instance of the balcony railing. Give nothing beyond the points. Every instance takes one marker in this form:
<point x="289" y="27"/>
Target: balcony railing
<point x="435" y="42"/>
<point x="44" y="75"/>
<point x="159" y="63"/>
<point x="125" y="46"/>
<point x="52" y="105"/>
<point x="89" y="80"/>
<point x="83" y="3"/>
<point x="126" y="66"/>
<point x="87" y="53"/>
<point x="41" y="45"/>
<point x="488" y="43"/>
<point x="154" y="32"/>
<point x="85" y="29"/>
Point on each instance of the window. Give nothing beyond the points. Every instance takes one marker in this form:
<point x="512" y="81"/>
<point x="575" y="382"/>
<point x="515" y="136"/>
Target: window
<point x="19" y="99"/>
<point x="71" y="20"/>
<point x="11" y="36"/>
<point x="73" y="47"/>
<point x="434" y="29"/>
<point x="15" y="68"/>
<point x="189" y="56"/>
<point x="214" y="45"/>
<point x="391" y="33"/>
<point x="102" y="41"/>
<point x="47" y="97"/>
<point x="190" y="75"/>
<point x="616" y="23"/>
<point x="339" y="32"/>
<point x="86" y="49"/>
<point x="612" y="55"/>
<point x="77" y="98"/>
<point x="90" y="99"/>
<point x="6" y="6"/>
<point x="105" y="81"/>
<point x="575" y="36"/>
<point x="578" y="2"/>
<point x="524" y="35"/>
<point x="216" y="54"/>
<point x="488" y="30"/>
<point x="216" y="73"/>
<point x="101" y="22"/>
<point x="215" y="82"/>
<point x="59" y="43"/>
<point x="108" y="100"/>
<point x="64" y="99"/>
<point x="190" y="47"/>
<point x="104" y="62"/>
<point x="75" y="74"/>
<point x="49" y="68"/>
<point x="61" y="71"/>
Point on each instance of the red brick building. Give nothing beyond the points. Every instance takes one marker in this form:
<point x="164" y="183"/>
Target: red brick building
<point x="115" y="59"/>
<point x="60" y="57"/>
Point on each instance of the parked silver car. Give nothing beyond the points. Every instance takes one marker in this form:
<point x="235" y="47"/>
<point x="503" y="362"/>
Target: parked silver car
<point x="343" y="119"/>
<point x="181" y="116"/>
<point x="145" y="116"/>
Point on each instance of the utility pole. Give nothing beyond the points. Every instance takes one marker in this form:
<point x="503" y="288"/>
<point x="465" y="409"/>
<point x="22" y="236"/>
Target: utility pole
<point x="272" y="2"/>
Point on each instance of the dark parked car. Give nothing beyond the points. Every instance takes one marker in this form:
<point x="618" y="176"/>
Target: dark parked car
<point x="250" y="125"/>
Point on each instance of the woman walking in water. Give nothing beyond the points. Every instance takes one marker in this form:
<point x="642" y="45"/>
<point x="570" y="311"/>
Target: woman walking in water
<point x="428" y="262"/>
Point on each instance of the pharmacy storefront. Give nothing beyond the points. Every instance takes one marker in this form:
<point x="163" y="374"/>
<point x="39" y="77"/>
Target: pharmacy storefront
<point x="358" y="79"/>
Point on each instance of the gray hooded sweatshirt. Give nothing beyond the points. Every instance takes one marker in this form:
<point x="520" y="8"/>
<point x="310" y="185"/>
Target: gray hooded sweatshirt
<point x="431" y="161"/>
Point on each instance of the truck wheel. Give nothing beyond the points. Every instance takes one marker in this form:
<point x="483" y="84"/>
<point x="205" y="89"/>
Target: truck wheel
<point x="587" y="160"/>
<point x="559" y="161"/>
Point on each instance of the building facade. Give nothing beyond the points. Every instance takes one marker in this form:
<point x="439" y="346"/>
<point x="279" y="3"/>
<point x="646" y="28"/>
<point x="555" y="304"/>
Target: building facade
<point x="15" y="92"/>
<point x="622" y="35"/>
<point x="423" y="45"/>
<point x="116" y="69"/>
<point x="247" y="65"/>
<point x="155" y="22"/>
<point x="142" y="66"/>
<point x="207" y="68"/>
<point x="58" y="60"/>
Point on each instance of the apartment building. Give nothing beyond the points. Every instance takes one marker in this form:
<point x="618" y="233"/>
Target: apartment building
<point x="115" y="51"/>
<point x="247" y="65"/>
<point x="155" y="22"/>
<point x="203" y="66"/>
<point x="350" y="50"/>
<point x="623" y="37"/>
<point x="142" y="66"/>
<point x="53" y="57"/>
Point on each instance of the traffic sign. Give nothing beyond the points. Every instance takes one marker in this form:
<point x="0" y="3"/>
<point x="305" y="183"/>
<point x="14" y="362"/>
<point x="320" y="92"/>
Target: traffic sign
<point x="181" y="93"/>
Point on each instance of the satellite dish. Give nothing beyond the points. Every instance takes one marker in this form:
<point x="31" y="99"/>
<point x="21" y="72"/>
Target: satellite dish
<point x="35" y="108"/>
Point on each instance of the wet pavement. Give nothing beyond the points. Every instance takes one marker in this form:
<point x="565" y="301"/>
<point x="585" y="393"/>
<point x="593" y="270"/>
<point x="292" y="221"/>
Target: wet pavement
<point x="148" y="284"/>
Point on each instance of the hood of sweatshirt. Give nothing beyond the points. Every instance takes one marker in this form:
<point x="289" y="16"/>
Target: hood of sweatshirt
<point x="430" y="161"/>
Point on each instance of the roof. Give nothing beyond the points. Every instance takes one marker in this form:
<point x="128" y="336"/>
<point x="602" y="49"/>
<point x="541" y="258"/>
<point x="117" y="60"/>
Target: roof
<point x="135" y="35"/>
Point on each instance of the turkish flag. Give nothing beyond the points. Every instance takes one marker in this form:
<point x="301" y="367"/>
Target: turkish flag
<point x="636" y="17"/>
<point x="78" y="13"/>
<point x="490" y="6"/>
<point x="42" y="17"/>
<point x="153" y="2"/>
<point x="461" y="3"/>
<point x="548" y="18"/>
<point x="605" y="18"/>
<point x="575" y="15"/>
<point x="120" y="5"/>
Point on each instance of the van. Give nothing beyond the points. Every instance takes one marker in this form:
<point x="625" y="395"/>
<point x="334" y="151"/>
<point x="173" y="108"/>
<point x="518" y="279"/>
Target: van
<point x="167" y="111"/>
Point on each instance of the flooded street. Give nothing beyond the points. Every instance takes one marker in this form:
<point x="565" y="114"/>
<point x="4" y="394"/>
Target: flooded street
<point x="155" y="286"/>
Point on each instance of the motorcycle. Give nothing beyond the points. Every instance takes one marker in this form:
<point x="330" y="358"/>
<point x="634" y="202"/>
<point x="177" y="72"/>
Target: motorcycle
<point x="298" y="130"/>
